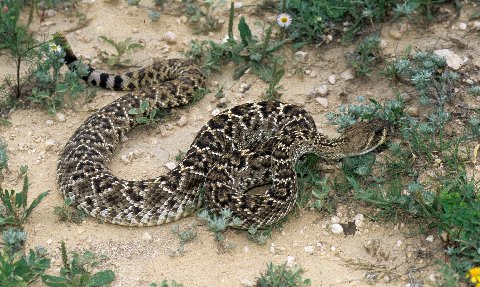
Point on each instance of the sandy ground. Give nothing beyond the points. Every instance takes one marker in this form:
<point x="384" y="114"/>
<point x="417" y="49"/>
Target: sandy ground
<point x="140" y="256"/>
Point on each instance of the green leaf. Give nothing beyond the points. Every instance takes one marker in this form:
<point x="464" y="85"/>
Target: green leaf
<point x="245" y="32"/>
<point x="34" y="204"/>
<point x="101" y="278"/>
<point x="55" y="281"/>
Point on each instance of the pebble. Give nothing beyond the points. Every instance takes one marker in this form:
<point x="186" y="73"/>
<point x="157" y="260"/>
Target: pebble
<point x="215" y="112"/>
<point x="359" y="220"/>
<point x="50" y="13"/>
<point x="332" y="79"/>
<point x="322" y="101"/>
<point x="49" y="122"/>
<point x="322" y="90"/>
<point x="335" y="219"/>
<point x="49" y="143"/>
<point x="395" y="34"/>
<point x="453" y="60"/>
<point x="244" y="87"/>
<point x="49" y="241"/>
<point x="170" y="37"/>
<point x="383" y="44"/>
<point x="60" y="117"/>
<point x="147" y="236"/>
<point x="476" y="25"/>
<point x="309" y="249"/>
<point x="337" y="228"/>
<point x="80" y="230"/>
<point x="462" y="26"/>
<point x="182" y="121"/>
<point x="170" y="165"/>
<point x="348" y="75"/>
<point x="247" y="283"/>
<point x="291" y="261"/>
<point x="429" y="238"/>
<point x="329" y="38"/>
<point x="399" y="243"/>
<point x="272" y="248"/>
<point x="301" y="56"/>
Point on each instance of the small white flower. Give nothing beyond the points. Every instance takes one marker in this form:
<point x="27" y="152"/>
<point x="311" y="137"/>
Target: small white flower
<point x="284" y="20"/>
<point x="55" y="48"/>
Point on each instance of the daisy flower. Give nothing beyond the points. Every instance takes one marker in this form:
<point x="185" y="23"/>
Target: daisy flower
<point x="474" y="276"/>
<point x="55" y="48"/>
<point x="284" y="20"/>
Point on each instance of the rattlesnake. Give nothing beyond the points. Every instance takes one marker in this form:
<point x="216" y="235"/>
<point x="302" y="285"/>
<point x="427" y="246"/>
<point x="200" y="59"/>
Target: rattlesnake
<point x="248" y="145"/>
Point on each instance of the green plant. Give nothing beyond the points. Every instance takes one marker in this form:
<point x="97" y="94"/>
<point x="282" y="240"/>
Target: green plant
<point x="165" y="283"/>
<point x="122" y="48"/>
<point x="201" y="15"/>
<point x="184" y="236"/>
<point x="272" y="92"/>
<point x="18" y="269"/>
<point x="248" y="54"/>
<point x="281" y="275"/>
<point x="14" y="208"/>
<point x="259" y="236"/>
<point x="146" y="115"/>
<point x="65" y="212"/>
<point x="3" y="159"/>
<point x="78" y="271"/>
<point x="14" y="239"/>
<point x="219" y="223"/>
<point x="366" y="55"/>
<point x="53" y="89"/>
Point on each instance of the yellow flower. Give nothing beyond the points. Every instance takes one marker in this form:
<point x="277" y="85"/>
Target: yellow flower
<point x="474" y="276"/>
<point x="284" y="20"/>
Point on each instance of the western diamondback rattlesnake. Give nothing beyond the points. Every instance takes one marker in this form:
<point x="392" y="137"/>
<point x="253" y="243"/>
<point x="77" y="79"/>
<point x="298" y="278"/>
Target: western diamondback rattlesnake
<point x="246" y="146"/>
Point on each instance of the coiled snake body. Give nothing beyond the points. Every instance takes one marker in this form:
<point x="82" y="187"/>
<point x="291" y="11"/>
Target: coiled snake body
<point x="246" y="146"/>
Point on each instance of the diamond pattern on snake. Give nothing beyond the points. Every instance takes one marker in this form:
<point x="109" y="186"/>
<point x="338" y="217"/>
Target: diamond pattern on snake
<point x="248" y="145"/>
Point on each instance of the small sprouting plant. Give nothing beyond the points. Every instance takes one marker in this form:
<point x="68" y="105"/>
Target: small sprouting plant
<point x="259" y="236"/>
<point x="122" y="48"/>
<point x="180" y="155"/>
<point x="65" y="212"/>
<point x="219" y="223"/>
<point x="475" y="90"/>
<point x="18" y="269"/>
<point x="14" y="210"/>
<point x="281" y="275"/>
<point x="201" y="15"/>
<point x="272" y="92"/>
<point x="53" y="89"/>
<point x="184" y="236"/>
<point x="146" y="115"/>
<point x="14" y="239"/>
<point x="153" y="15"/>
<point x="3" y="159"/>
<point x="366" y="55"/>
<point x="77" y="271"/>
<point x="166" y="283"/>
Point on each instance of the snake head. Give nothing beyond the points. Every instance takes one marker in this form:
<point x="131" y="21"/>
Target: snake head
<point x="364" y="137"/>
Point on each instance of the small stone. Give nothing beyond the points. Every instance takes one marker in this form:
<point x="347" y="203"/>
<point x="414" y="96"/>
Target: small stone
<point x="246" y="249"/>
<point x="238" y="5"/>
<point x="60" y="117"/>
<point x="359" y="220"/>
<point x="337" y="228"/>
<point x="395" y="34"/>
<point x="453" y="60"/>
<point x="322" y="90"/>
<point x="322" y="101"/>
<point x="383" y="44"/>
<point x="49" y="241"/>
<point x="335" y="219"/>
<point x="247" y="283"/>
<point x="307" y="72"/>
<point x="50" y="13"/>
<point x="444" y="236"/>
<point x="170" y="37"/>
<point x="147" y="236"/>
<point x="309" y="249"/>
<point x="429" y="238"/>
<point x="476" y="25"/>
<point x="386" y="278"/>
<point x="329" y="38"/>
<point x="49" y="122"/>
<point x="49" y="143"/>
<point x="348" y="75"/>
<point x="291" y="261"/>
<point x="272" y="248"/>
<point x="80" y="230"/>
<point x="462" y="26"/>
<point x="399" y="243"/>
<point x="301" y="56"/>
<point x="135" y="31"/>
<point x="182" y="121"/>
<point x="170" y="165"/>
<point x="332" y="79"/>
<point x="215" y="112"/>
<point x="244" y="87"/>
